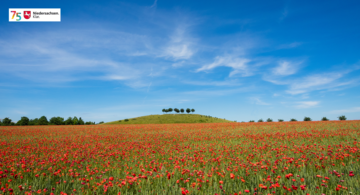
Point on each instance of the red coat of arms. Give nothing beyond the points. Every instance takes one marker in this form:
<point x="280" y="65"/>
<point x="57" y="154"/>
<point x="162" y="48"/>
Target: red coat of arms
<point x="27" y="14"/>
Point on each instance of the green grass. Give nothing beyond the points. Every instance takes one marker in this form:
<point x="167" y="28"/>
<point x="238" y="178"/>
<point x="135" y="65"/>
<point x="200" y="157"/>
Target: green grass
<point x="171" y="118"/>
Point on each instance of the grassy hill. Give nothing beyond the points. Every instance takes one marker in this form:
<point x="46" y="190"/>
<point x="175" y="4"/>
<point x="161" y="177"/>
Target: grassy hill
<point x="171" y="118"/>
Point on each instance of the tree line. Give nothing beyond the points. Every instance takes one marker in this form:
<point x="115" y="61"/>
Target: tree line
<point x="341" y="118"/>
<point x="188" y="110"/>
<point x="44" y="121"/>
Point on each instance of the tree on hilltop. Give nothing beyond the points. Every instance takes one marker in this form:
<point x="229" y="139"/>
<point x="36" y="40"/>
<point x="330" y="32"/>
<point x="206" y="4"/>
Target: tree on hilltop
<point x="188" y="110"/>
<point x="193" y="110"/>
<point x="182" y="110"/>
<point x="170" y="109"/>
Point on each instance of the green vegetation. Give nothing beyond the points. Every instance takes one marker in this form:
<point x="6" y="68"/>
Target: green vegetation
<point x="182" y="110"/>
<point x="151" y="119"/>
<point x="57" y="120"/>
<point x="342" y="118"/>
<point x="307" y="118"/>
<point x="24" y="121"/>
<point x="171" y="118"/>
<point x="43" y="121"/>
<point x="324" y="119"/>
<point x="6" y="122"/>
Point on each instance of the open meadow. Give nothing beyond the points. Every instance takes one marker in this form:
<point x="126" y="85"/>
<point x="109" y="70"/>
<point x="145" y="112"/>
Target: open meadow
<point x="203" y="158"/>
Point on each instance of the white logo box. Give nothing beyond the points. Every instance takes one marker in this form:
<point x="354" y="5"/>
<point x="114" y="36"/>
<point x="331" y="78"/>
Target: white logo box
<point x="34" y="15"/>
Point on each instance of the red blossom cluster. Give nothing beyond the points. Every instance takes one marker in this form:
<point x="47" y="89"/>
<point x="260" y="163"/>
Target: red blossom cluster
<point x="227" y="158"/>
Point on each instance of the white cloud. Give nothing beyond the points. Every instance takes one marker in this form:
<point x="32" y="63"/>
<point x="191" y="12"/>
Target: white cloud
<point x="214" y="83"/>
<point x="330" y="81"/>
<point x="286" y="68"/>
<point x="183" y="101"/>
<point x="276" y="94"/>
<point x="114" y="77"/>
<point x="52" y="59"/>
<point x="350" y="110"/>
<point x="178" y="64"/>
<point x="258" y="101"/>
<point x="305" y="96"/>
<point x="179" y="51"/>
<point x="290" y="45"/>
<point x="180" y="45"/>
<point x="217" y="92"/>
<point x="314" y="82"/>
<point x="284" y="14"/>
<point x="19" y="112"/>
<point x="306" y="104"/>
<point x="137" y="53"/>
<point x="154" y="4"/>
<point x="239" y="65"/>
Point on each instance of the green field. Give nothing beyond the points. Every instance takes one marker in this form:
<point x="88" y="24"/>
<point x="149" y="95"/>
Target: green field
<point x="171" y="118"/>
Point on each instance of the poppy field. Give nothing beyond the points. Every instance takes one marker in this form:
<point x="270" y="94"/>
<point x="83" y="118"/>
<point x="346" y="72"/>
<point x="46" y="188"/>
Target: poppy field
<point x="204" y="158"/>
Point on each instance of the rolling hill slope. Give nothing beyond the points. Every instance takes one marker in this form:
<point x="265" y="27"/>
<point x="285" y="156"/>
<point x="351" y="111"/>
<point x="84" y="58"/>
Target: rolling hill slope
<point x="170" y="118"/>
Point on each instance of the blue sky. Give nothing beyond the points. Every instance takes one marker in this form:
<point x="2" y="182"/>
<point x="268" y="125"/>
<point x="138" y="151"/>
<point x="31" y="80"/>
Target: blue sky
<point x="239" y="60"/>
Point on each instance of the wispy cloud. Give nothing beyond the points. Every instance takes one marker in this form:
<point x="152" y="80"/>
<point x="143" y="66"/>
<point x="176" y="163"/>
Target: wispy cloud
<point x="314" y="82"/>
<point x="350" y="110"/>
<point x="284" y="13"/>
<point x="258" y="101"/>
<point x="238" y="64"/>
<point x="53" y="57"/>
<point x="51" y="61"/>
<point x="306" y="104"/>
<point x="290" y="45"/>
<point x="179" y="51"/>
<point x="214" y="83"/>
<point x="276" y="95"/>
<point x="180" y="46"/>
<point x="324" y="81"/>
<point x="217" y="92"/>
<point x="19" y="112"/>
<point x="114" y="77"/>
<point x="178" y="64"/>
<point x="154" y="4"/>
<point x="286" y="68"/>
